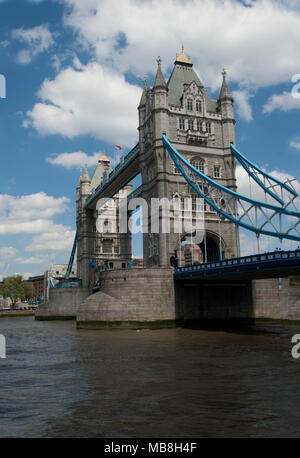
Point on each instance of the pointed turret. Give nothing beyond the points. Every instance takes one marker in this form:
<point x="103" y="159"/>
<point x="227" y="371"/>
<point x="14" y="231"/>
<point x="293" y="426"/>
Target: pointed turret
<point x="225" y="105"/>
<point x="159" y="82"/>
<point x="85" y="183"/>
<point x="85" y="178"/>
<point x="225" y="92"/>
<point x="143" y="98"/>
<point x="79" y="181"/>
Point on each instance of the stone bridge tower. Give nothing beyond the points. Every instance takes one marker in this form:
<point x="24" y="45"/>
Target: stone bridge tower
<point x="201" y="129"/>
<point x="99" y="245"/>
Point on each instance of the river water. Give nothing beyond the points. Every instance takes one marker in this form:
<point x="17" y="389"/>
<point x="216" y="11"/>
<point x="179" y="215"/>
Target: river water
<point x="61" y="382"/>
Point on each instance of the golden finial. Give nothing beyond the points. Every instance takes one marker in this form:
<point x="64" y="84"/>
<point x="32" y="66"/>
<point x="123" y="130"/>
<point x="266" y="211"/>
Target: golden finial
<point x="183" y="57"/>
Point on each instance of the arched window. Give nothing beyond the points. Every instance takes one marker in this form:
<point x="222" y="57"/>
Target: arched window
<point x="199" y="125"/>
<point x="198" y="164"/>
<point x="208" y="127"/>
<point x="181" y="124"/>
<point x="190" y="104"/>
<point x="198" y="106"/>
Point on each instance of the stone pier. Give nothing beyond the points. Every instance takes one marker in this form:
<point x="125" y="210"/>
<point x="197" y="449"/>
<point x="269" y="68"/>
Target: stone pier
<point x="62" y="305"/>
<point x="130" y="298"/>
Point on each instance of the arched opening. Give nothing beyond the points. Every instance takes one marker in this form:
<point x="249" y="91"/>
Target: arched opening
<point x="210" y="249"/>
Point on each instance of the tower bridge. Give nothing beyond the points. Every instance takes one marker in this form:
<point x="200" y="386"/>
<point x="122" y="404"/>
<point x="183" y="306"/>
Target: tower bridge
<point x="186" y="149"/>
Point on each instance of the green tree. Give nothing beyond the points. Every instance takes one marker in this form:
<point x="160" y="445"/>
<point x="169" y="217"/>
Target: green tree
<point x="16" y="289"/>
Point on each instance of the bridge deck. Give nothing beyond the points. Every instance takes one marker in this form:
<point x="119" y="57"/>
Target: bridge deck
<point x="267" y="265"/>
<point x="119" y="177"/>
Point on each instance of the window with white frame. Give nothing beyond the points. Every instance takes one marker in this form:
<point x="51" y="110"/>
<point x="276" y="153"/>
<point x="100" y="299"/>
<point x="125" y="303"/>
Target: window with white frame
<point x="198" y="106"/>
<point x="199" y="125"/>
<point x="190" y="104"/>
<point x="208" y="127"/>
<point x="181" y="124"/>
<point x="191" y="124"/>
<point x="217" y="171"/>
<point x="198" y="164"/>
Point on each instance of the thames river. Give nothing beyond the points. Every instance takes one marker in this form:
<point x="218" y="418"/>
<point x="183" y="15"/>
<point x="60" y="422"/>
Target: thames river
<point x="57" y="381"/>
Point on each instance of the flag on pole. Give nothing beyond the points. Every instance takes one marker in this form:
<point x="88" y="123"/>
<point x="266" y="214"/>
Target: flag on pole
<point x="119" y="147"/>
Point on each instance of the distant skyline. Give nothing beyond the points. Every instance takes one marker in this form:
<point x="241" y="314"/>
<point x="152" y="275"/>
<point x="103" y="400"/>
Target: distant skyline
<point x="74" y="74"/>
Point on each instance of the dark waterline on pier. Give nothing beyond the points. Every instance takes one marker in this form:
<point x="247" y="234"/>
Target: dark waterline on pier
<point x="61" y="382"/>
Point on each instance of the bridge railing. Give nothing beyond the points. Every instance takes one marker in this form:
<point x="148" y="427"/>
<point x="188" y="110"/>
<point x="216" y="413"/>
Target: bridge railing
<point x="264" y="258"/>
<point x="113" y="174"/>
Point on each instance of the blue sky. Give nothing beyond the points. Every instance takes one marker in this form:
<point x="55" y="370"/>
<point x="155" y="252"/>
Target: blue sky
<point x="74" y="71"/>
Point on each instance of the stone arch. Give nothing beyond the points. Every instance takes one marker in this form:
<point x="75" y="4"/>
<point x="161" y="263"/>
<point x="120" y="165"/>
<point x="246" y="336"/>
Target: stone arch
<point x="211" y="247"/>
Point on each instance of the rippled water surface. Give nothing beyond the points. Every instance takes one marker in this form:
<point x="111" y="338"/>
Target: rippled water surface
<point x="61" y="382"/>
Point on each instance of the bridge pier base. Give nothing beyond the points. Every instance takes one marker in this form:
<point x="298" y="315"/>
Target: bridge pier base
<point x="130" y="298"/>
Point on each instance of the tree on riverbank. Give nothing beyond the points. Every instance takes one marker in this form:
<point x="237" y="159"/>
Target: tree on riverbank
<point x="16" y="289"/>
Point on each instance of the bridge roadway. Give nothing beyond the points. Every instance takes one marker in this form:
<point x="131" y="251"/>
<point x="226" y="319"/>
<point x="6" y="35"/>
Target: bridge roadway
<point x="276" y="264"/>
<point x="120" y="176"/>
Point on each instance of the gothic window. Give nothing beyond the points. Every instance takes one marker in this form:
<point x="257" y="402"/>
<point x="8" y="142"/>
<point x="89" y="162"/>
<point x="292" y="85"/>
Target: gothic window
<point x="198" y="106"/>
<point x="190" y="104"/>
<point x="191" y="124"/>
<point x="199" y="125"/>
<point x="198" y="164"/>
<point x="208" y="127"/>
<point x="181" y="124"/>
<point x="217" y="173"/>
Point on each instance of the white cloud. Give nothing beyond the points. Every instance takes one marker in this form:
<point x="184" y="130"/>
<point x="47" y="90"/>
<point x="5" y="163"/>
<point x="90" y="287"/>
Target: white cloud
<point x="283" y="102"/>
<point x="243" y="106"/>
<point x="33" y="215"/>
<point x="8" y="252"/>
<point x="96" y="99"/>
<point x="28" y="211"/>
<point x="247" y="40"/>
<point x="61" y="238"/>
<point x="33" y="260"/>
<point x="74" y="160"/>
<point x="92" y="100"/>
<point x="79" y="159"/>
<point x="38" y="39"/>
<point x="295" y="143"/>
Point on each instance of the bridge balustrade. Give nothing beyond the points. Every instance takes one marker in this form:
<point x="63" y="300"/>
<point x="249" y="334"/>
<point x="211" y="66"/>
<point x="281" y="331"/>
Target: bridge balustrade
<point x="258" y="259"/>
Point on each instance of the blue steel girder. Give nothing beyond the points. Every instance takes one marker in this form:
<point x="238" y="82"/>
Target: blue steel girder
<point x="71" y="261"/>
<point x="255" y="216"/>
<point x="268" y="183"/>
